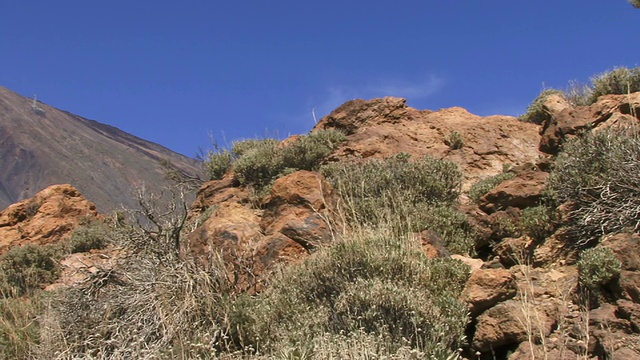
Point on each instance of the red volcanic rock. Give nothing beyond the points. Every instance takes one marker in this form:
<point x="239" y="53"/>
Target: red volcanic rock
<point x="290" y="222"/>
<point x="47" y="218"/>
<point x="384" y="127"/>
<point x="566" y="121"/>
<point x="487" y="287"/>
<point x="298" y="208"/>
<point x="521" y="192"/>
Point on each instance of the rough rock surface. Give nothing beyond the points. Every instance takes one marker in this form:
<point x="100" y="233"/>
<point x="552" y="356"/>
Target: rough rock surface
<point x="48" y="217"/>
<point x="565" y="121"/>
<point x="487" y="287"/>
<point x="523" y="191"/>
<point x="288" y="224"/>
<point x="384" y="127"/>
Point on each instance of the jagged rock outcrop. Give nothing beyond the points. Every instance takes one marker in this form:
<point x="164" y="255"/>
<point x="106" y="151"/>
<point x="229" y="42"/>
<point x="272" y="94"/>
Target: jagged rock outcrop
<point x="565" y="121"/>
<point x="48" y="217"/>
<point x="384" y="127"/>
<point x="288" y="224"/>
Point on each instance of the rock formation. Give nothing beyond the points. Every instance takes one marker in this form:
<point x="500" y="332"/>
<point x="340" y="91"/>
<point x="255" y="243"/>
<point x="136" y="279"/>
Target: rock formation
<point x="48" y="217"/>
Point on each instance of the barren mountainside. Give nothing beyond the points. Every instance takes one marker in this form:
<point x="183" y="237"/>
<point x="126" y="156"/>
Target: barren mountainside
<point x="41" y="146"/>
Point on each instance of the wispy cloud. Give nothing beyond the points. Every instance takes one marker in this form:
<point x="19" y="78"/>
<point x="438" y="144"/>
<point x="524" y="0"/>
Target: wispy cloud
<point x="413" y="90"/>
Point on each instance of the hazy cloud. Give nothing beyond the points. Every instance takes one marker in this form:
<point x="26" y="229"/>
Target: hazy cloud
<point x="414" y="90"/>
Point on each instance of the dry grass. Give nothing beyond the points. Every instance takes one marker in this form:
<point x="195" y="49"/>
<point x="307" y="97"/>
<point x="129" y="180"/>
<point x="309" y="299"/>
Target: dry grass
<point x="596" y="175"/>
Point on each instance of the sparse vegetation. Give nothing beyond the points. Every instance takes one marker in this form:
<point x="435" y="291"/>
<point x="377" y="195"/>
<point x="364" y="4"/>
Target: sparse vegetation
<point x="618" y="81"/>
<point x="19" y="328"/>
<point x="596" y="175"/>
<point x="258" y="163"/>
<point x="598" y="267"/>
<point x="406" y="195"/>
<point x="92" y="236"/>
<point x="482" y="187"/>
<point x="373" y="284"/>
<point x="538" y="222"/>
<point x="454" y="140"/>
<point x="24" y="269"/>
<point x="371" y="294"/>
<point x="535" y="112"/>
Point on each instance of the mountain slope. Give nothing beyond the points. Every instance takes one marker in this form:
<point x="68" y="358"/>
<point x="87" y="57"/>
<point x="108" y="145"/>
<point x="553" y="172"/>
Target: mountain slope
<point x="41" y="145"/>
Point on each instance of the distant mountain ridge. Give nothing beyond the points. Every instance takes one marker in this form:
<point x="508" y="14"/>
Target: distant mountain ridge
<point x="41" y="146"/>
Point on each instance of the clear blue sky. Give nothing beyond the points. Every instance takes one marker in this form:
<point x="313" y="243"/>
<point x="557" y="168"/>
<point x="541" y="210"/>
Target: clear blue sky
<point x="174" y="71"/>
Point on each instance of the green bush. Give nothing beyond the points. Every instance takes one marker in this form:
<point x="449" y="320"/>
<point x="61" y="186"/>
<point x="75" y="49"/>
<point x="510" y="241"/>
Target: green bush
<point x="450" y="224"/>
<point x="535" y="112"/>
<point x="307" y="152"/>
<point x="92" y="236"/>
<point x="24" y="269"/>
<point x="597" y="176"/>
<point x="455" y="140"/>
<point x="538" y="222"/>
<point x="505" y="226"/>
<point x="617" y="81"/>
<point x="598" y="267"/>
<point x="258" y="163"/>
<point x="376" y="284"/>
<point x="407" y="196"/>
<point x="218" y="163"/>
<point x="482" y="187"/>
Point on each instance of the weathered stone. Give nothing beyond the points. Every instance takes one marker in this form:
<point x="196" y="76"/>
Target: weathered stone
<point x="299" y="207"/>
<point x="566" y="122"/>
<point x="508" y="322"/>
<point x="48" y="217"/>
<point x="487" y="287"/>
<point x="381" y="128"/>
<point x="522" y="192"/>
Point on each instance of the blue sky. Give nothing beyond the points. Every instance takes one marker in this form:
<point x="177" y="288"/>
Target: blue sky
<point x="172" y="72"/>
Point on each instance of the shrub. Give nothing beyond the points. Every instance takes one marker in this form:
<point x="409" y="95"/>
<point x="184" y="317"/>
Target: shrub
<point x="19" y="328"/>
<point x="407" y="196"/>
<point x="455" y="140"/>
<point x="425" y="180"/>
<point x="578" y="94"/>
<point x="597" y="176"/>
<point x="29" y="267"/>
<point x="450" y="224"/>
<point x="373" y="284"/>
<point x="617" y="81"/>
<point x="535" y="112"/>
<point x="505" y="226"/>
<point x="482" y="187"/>
<point x="95" y="235"/>
<point x="538" y="222"/>
<point x="261" y="163"/>
<point x="218" y="163"/>
<point x="144" y="309"/>
<point x="307" y="152"/>
<point x="598" y="267"/>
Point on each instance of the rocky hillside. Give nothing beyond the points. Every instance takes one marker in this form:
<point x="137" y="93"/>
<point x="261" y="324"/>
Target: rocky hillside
<point x="42" y="146"/>
<point x="329" y="273"/>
